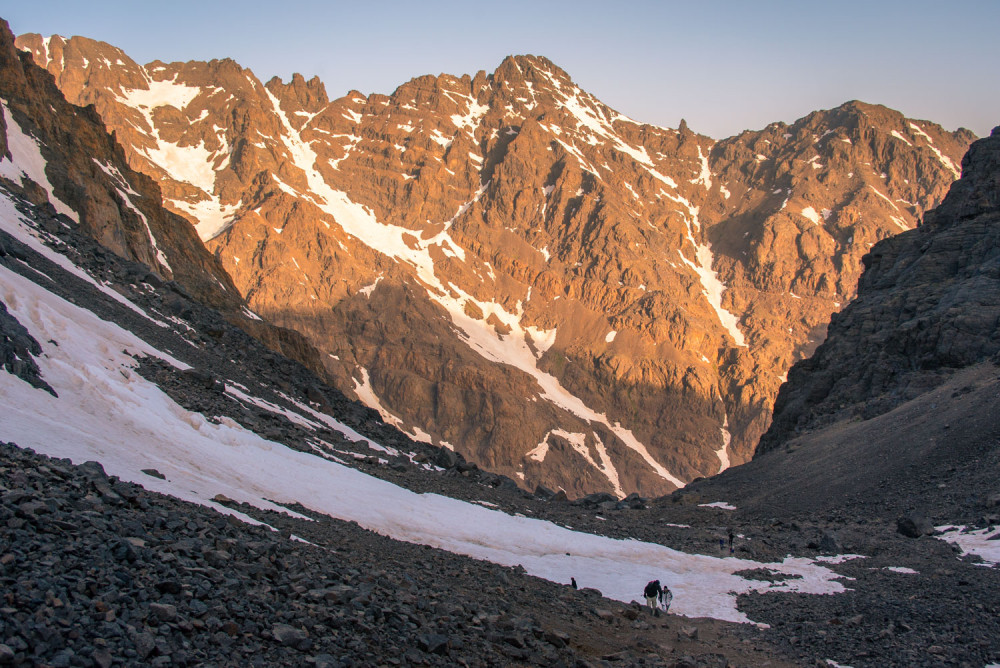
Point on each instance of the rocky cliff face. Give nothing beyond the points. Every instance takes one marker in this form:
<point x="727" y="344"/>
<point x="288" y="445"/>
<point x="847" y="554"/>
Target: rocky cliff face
<point x="928" y="305"/>
<point x="503" y="265"/>
<point x="79" y="170"/>
<point x="82" y="172"/>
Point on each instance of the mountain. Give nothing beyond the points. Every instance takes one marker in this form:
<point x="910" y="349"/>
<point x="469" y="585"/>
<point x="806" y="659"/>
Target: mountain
<point x="928" y="307"/>
<point x="503" y="265"/>
<point x="190" y="497"/>
<point x="79" y="170"/>
<point x="128" y="390"/>
<point x="896" y="411"/>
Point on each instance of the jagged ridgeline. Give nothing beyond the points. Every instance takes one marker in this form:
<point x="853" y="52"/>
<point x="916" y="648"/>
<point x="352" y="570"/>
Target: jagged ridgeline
<point x="503" y="265"/>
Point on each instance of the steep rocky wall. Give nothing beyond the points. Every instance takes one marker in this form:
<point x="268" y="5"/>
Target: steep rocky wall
<point x="89" y="176"/>
<point x="928" y="304"/>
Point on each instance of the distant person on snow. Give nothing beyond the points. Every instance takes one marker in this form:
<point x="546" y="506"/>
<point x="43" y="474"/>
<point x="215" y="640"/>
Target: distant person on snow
<point x="572" y="583"/>
<point x="666" y="597"/>
<point x="652" y="593"/>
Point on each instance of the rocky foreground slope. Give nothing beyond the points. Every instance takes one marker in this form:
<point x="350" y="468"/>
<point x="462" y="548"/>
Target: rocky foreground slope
<point x="503" y="265"/>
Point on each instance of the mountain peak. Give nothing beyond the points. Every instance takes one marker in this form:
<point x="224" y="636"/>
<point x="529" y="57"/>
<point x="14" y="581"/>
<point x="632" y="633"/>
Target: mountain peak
<point x="977" y="193"/>
<point x="503" y="264"/>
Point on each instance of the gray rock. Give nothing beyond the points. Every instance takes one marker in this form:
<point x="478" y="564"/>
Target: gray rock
<point x="914" y="525"/>
<point x="433" y="643"/>
<point x="102" y="658"/>
<point x="830" y="543"/>
<point x="325" y="661"/>
<point x="289" y="636"/>
<point x="446" y="458"/>
<point x="144" y="643"/>
<point x="163" y="612"/>
<point x="93" y="470"/>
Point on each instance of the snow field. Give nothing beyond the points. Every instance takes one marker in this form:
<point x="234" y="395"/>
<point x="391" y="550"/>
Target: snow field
<point x="107" y="412"/>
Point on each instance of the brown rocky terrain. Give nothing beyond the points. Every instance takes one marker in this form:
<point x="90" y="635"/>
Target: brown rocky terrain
<point x="928" y="307"/>
<point x="503" y="265"/>
<point x="897" y="410"/>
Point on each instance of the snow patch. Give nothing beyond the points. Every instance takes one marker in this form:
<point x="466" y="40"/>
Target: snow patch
<point x="717" y="504"/>
<point x="811" y="214"/>
<point x="26" y="161"/>
<point x="712" y="286"/>
<point x="942" y="158"/>
<point x="705" y="176"/>
<point x="901" y="138"/>
<point x="723" y="452"/>
<point x="982" y="542"/>
<point x="368" y="289"/>
<point x="367" y="396"/>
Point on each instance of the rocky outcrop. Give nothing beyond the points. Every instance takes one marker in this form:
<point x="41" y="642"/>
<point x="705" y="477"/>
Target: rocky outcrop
<point x="89" y="180"/>
<point x="503" y="265"/>
<point x="928" y="305"/>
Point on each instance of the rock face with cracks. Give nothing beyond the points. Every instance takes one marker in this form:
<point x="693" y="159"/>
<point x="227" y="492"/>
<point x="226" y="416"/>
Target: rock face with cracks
<point x="928" y="307"/>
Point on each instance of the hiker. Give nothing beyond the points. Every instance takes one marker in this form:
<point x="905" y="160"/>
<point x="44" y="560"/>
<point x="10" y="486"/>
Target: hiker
<point x="666" y="597"/>
<point x="572" y="583"/>
<point x="731" y="537"/>
<point x="652" y="593"/>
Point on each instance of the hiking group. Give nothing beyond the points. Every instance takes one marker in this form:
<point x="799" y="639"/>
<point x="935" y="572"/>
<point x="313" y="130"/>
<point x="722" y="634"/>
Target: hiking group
<point x="657" y="595"/>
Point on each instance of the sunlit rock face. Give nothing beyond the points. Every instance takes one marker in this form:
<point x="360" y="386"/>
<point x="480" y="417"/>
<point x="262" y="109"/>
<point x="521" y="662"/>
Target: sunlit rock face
<point x="503" y="265"/>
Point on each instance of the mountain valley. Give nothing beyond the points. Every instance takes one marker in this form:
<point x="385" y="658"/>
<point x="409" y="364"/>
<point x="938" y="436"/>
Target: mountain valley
<point x="370" y="381"/>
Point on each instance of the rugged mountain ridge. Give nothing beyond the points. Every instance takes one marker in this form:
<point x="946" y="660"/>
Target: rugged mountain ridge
<point x="894" y="416"/>
<point x="504" y="265"/>
<point x="928" y="306"/>
<point x="81" y="172"/>
<point x="85" y="175"/>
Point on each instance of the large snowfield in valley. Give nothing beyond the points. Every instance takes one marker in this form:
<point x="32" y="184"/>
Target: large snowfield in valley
<point x="107" y="412"/>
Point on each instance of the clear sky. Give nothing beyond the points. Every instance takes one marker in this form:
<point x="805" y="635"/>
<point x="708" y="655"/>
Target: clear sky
<point x="723" y="65"/>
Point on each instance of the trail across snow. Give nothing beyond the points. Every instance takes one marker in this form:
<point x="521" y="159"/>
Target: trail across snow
<point x="107" y="412"/>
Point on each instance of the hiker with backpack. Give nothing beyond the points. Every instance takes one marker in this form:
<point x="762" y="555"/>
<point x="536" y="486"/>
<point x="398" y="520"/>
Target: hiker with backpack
<point x="652" y="593"/>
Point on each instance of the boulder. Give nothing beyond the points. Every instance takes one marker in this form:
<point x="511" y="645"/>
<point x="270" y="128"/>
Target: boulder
<point x="289" y="636"/>
<point x="830" y="543"/>
<point x="445" y="458"/>
<point x="914" y="525"/>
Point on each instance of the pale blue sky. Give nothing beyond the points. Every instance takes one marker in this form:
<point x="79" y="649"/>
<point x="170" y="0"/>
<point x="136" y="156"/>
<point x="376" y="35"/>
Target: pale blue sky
<point x="725" y="66"/>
